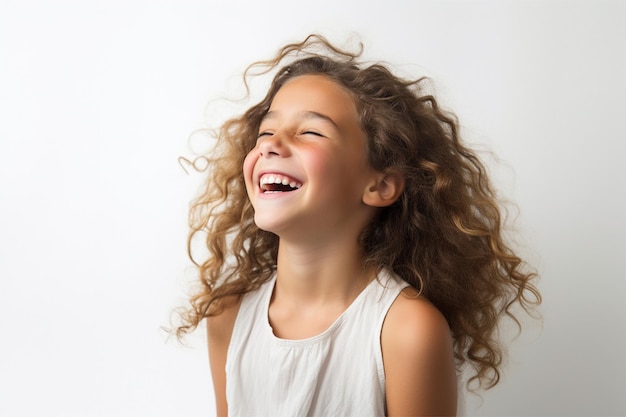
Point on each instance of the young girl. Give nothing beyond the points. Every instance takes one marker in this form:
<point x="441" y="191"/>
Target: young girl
<point x="356" y="257"/>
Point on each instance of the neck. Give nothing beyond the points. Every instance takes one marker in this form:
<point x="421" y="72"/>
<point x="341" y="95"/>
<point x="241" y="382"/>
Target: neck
<point x="324" y="273"/>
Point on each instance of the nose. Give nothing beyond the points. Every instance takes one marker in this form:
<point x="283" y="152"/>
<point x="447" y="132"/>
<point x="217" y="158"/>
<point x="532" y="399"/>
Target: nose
<point x="274" y="145"/>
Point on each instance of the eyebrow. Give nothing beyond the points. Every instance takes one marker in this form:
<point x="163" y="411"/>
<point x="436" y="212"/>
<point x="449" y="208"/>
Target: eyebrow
<point x="305" y="114"/>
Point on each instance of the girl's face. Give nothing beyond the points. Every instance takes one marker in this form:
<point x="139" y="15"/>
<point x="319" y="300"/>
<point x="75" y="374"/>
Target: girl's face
<point x="308" y="171"/>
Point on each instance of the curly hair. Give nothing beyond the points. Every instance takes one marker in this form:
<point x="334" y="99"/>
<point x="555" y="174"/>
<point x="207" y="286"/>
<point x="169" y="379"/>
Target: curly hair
<point x="444" y="235"/>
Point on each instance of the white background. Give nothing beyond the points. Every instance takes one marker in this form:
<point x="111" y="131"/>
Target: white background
<point x="98" y="99"/>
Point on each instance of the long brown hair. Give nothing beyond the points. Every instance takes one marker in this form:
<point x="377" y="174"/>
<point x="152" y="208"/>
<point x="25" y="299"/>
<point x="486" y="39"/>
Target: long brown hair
<point x="444" y="235"/>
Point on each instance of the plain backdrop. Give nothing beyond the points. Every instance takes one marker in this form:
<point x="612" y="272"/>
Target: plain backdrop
<point x="98" y="100"/>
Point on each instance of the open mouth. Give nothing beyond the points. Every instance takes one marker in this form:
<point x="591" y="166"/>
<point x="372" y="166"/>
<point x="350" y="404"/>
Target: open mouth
<point x="276" y="183"/>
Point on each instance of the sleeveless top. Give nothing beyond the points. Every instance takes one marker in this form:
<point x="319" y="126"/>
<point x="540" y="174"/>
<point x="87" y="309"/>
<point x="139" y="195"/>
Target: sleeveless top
<point x="339" y="372"/>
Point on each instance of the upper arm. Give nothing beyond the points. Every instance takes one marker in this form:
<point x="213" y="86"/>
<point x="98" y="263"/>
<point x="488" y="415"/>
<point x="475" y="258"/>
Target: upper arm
<point x="418" y="358"/>
<point x="219" y="332"/>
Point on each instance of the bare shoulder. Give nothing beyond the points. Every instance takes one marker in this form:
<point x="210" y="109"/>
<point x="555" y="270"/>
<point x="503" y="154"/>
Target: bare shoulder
<point x="414" y="322"/>
<point x="219" y="332"/>
<point x="220" y="327"/>
<point x="418" y="358"/>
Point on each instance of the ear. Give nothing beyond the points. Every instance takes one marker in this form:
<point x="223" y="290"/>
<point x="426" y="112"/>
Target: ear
<point x="384" y="189"/>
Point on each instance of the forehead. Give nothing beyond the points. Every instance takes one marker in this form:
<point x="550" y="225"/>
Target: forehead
<point x="316" y="94"/>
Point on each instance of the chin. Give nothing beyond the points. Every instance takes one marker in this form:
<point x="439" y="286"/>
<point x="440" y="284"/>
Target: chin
<point x="268" y="225"/>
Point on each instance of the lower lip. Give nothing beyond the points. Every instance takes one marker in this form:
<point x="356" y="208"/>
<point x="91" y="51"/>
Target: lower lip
<point x="275" y="194"/>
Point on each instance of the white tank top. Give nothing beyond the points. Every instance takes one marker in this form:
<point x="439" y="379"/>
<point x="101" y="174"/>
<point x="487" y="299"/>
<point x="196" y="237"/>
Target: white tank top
<point x="336" y="373"/>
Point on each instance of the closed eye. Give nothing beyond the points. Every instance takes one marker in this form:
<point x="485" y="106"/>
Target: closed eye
<point x="307" y="132"/>
<point x="310" y="132"/>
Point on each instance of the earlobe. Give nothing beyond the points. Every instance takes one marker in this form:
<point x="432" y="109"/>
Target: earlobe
<point x="384" y="190"/>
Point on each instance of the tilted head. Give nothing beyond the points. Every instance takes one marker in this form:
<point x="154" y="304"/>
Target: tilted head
<point x="407" y="136"/>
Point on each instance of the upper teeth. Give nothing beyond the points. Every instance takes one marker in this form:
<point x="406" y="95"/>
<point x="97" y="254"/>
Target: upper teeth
<point x="279" y="179"/>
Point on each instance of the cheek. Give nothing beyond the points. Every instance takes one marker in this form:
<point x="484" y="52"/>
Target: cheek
<point x="333" y="166"/>
<point x="320" y="162"/>
<point x="248" y="169"/>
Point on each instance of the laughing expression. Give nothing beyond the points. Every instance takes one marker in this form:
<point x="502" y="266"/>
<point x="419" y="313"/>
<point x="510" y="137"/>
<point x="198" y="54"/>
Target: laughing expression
<point x="308" y="170"/>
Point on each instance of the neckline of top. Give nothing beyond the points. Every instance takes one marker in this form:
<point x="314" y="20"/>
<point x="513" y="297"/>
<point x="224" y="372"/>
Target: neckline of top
<point x="321" y="336"/>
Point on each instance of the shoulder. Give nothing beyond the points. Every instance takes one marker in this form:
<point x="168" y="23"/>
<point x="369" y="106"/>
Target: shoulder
<point x="221" y="322"/>
<point x="220" y="326"/>
<point x="418" y="358"/>
<point x="414" y="322"/>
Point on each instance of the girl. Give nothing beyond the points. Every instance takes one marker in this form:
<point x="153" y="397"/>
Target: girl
<point x="356" y="257"/>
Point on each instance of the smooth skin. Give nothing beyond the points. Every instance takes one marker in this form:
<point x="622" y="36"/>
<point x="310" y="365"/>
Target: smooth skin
<point x="312" y="137"/>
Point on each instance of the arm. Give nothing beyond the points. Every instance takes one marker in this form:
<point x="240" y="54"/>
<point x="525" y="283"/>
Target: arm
<point x="219" y="331"/>
<point x="418" y="358"/>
